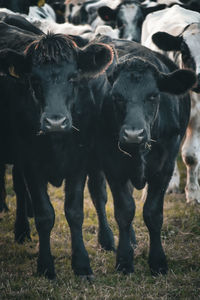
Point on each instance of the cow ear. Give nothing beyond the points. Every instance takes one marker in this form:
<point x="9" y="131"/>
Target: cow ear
<point x="177" y="82"/>
<point x="13" y="63"/>
<point x="106" y="13"/>
<point x="166" y="41"/>
<point x="94" y="59"/>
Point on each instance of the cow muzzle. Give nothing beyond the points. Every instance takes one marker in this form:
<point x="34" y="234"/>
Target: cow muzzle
<point x="130" y="136"/>
<point x="55" y="123"/>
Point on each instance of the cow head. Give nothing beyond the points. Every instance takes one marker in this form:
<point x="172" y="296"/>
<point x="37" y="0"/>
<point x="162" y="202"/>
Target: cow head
<point x="51" y="69"/>
<point x="187" y="44"/>
<point x="21" y="6"/>
<point x="128" y="17"/>
<point x="137" y="88"/>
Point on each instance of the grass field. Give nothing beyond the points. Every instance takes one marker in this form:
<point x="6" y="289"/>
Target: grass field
<point x="181" y="241"/>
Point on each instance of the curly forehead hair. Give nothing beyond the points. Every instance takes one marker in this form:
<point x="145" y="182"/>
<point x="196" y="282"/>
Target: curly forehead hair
<point x="51" y="48"/>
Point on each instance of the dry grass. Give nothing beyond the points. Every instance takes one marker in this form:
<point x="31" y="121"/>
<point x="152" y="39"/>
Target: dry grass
<point x="181" y="240"/>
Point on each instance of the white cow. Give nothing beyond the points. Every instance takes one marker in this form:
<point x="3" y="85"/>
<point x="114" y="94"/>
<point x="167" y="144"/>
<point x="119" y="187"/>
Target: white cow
<point x="177" y="30"/>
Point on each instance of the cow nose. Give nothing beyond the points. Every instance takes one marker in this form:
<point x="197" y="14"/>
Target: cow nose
<point x="55" y="123"/>
<point x="131" y="136"/>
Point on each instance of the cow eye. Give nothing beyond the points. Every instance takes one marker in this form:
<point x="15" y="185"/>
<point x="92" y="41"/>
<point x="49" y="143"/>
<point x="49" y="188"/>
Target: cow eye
<point x="118" y="100"/>
<point x="153" y="97"/>
<point x="73" y="78"/>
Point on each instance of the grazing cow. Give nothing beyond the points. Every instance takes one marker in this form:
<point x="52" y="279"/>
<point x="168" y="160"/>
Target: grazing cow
<point x="52" y="111"/>
<point x="143" y="120"/>
<point x="177" y="30"/>
<point x="21" y="6"/>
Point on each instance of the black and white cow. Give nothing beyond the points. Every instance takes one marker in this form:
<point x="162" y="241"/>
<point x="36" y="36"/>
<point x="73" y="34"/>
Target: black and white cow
<point x="52" y="110"/>
<point x="144" y="118"/>
<point x="128" y="17"/>
<point x="177" y="30"/>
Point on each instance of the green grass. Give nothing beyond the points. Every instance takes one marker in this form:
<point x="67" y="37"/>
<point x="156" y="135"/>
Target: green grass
<point x="181" y="241"/>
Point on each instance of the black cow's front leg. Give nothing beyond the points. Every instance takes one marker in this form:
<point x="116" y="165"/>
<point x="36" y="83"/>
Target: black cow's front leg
<point x="44" y="221"/>
<point x="153" y="217"/>
<point x="22" y="229"/>
<point x="74" y="215"/>
<point x="97" y="188"/>
<point x="124" y="213"/>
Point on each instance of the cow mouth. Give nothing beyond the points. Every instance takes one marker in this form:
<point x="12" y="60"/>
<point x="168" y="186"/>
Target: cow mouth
<point x="131" y="149"/>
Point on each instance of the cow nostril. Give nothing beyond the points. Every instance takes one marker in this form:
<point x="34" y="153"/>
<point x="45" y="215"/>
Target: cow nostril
<point x="133" y="136"/>
<point x="56" y="123"/>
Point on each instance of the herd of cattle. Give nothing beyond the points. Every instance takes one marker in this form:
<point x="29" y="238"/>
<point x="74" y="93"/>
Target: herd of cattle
<point x="84" y="94"/>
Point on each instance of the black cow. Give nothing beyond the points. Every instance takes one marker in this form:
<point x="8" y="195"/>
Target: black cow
<point x="21" y="6"/>
<point x="52" y="110"/>
<point x="21" y="226"/>
<point x="143" y="120"/>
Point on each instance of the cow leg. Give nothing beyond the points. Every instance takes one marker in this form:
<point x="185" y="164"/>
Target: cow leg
<point x="3" y="206"/>
<point x="153" y="218"/>
<point x="97" y="189"/>
<point x="22" y="229"/>
<point x="124" y="207"/>
<point x="74" y="215"/>
<point x="174" y="183"/>
<point x="191" y="158"/>
<point x="44" y="221"/>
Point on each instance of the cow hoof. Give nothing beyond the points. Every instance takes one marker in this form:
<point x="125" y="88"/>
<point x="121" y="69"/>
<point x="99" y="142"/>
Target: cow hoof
<point x="193" y="195"/>
<point x="83" y="271"/>
<point x="88" y="278"/>
<point x="47" y="274"/>
<point x="46" y="270"/>
<point x="125" y="267"/>
<point x="20" y="238"/>
<point x="173" y="190"/>
<point x="159" y="271"/>
<point x="22" y="233"/>
<point x="159" y="267"/>
<point x="81" y="265"/>
<point x="106" y="240"/>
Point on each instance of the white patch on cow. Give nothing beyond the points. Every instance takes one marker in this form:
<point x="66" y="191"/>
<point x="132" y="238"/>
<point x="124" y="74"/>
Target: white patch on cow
<point x="65" y="28"/>
<point x="40" y="13"/>
<point x="192" y="38"/>
<point x="108" y="31"/>
<point x="130" y="14"/>
<point x="174" y="183"/>
<point x="96" y="4"/>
